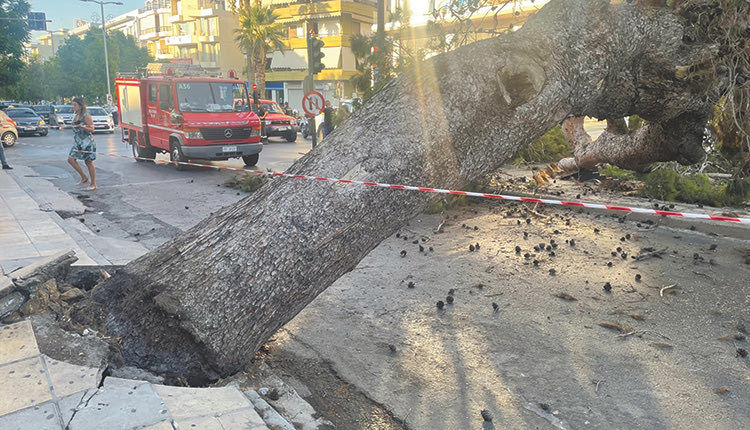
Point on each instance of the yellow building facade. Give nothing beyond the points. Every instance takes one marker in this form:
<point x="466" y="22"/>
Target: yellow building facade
<point x="334" y="22"/>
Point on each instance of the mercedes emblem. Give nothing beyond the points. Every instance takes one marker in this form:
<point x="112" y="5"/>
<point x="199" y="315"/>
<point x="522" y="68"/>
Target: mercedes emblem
<point x="228" y="133"/>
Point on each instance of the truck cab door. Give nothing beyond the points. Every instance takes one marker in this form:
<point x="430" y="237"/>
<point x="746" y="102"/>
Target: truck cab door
<point x="166" y="104"/>
<point x="156" y="130"/>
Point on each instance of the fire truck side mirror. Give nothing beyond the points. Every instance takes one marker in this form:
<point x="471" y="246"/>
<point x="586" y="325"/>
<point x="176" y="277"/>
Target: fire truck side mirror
<point x="175" y="118"/>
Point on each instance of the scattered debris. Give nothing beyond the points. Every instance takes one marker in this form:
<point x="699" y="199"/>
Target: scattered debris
<point x="741" y="353"/>
<point x="650" y="254"/>
<point x="661" y="345"/>
<point x="667" y="288"/>
<point x="486" y="415"/>
<point x="618" y="327"/>
<point x="722" y="390"/>
<point x="566" y="296"/>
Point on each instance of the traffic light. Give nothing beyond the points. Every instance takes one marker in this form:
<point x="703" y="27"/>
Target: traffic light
<point x="255" y="93"/>
<point x="314" y="56"/>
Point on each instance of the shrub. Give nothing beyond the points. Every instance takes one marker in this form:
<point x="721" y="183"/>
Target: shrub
<point x="249" y="182"/>
<point x="667" y="184"/>
<point x="549" y="148"/>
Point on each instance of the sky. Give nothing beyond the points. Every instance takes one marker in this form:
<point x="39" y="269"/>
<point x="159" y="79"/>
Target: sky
<point x="64" y="13"/>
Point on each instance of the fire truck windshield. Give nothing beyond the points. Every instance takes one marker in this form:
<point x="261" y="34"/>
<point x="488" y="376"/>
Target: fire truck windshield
<point x="212" y="97"/>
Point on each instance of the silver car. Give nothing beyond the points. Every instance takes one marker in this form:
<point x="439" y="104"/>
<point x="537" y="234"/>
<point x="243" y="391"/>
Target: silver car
<point x="63" y="115"/>
<point x="102" y="119"/>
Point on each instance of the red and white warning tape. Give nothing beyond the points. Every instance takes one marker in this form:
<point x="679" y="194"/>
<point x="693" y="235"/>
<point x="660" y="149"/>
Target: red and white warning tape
<point x="461" y="193"/>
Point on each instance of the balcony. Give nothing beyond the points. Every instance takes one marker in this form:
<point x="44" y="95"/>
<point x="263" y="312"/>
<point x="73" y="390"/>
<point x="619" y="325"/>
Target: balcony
<point x="174" y="19"/>
<point x="207" y="39"/>
<point x="153" y="34"/>
<point x="187" y="39"/>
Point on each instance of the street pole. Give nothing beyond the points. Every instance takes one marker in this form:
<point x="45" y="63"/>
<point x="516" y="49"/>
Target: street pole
<point x="309" y="85"/>
<point x="106" y="58"/>
<point x="104" y="36"/>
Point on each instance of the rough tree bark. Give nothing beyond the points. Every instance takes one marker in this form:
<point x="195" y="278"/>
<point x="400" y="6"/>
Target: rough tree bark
<point x="204" y="302"/>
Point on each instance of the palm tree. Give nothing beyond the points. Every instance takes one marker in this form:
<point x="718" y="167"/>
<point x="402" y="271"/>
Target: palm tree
<point x="258" y="35"/>
<point x="361" y="47"/>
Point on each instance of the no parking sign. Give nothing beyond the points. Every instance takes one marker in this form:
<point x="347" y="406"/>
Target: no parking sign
<point x="313" y="103"/>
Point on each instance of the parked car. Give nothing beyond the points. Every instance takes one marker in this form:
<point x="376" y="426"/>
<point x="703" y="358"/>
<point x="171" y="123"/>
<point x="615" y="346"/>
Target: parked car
<point x="62" y="115"/>
<point x="27" y="121"/>
<point x="43" y="111"/>
<point x="102" y="119"/>
<point x="18" y="105"/>
<point x="8" y="132"/>
<point x="277" y="122"/>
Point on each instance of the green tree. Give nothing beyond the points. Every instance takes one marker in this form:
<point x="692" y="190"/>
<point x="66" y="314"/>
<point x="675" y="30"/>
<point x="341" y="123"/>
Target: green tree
<point x="79" y="69"/>
<point x="32" y="85"/>
<point x="14" y="32"/>
<point x="258" y="34"/>
<point x="361" y="47"/>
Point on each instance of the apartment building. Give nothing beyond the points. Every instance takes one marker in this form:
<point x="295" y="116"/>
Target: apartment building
<point x="334" y="22"/>
<point x="48" y="44"/>
<point x="202" y="32"/>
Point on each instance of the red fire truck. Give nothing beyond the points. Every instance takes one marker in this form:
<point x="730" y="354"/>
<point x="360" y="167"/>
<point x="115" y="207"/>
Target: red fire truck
<point x="188" y="114"/>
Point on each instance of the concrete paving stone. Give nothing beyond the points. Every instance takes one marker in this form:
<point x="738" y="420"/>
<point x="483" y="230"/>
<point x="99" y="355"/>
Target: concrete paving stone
<point x="6" y="285"/>
<point x="246" y="419"/>
<point x="24" y="385"/>
<point x="70" y="378"/>
<point x="69" y="404"/>
<point x="14" y="236"/>
<point x="202" y="423"/>
<point x="39" y="417"/>
<point x="29" y="270"/>
<point x="268" y="413"/>
<point x="17" y="342"/>
<point x="120" y="407"/>
<point x="164" y="425"/>
<point x="47" y="236"/>
<point x="122" y="382"/>
<point x="18" y="251"/>
<point x="197" y="402"/>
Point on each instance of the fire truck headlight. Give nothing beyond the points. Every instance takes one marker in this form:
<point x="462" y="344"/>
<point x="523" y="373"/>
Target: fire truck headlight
<point x="193" y="135"/>
<point x="255" y="132"/>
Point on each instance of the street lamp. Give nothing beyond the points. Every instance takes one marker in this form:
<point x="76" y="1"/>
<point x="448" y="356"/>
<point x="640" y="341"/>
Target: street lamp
<point x="104" y="35"/>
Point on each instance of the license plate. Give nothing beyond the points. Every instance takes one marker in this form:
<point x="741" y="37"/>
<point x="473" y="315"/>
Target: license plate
<point x="229" y="149"/>
<point x="29" y="128"/>
<point x="283" y="128"/>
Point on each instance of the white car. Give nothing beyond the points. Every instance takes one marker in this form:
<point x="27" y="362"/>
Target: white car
<point x="102" y="119"/>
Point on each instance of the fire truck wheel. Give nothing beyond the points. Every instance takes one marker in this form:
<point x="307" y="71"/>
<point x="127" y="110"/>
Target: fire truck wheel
<point x="175" y="154"/>
<point x="291" y="136"/>
<point x="142" y="153"/>
<point x="250" y="160"/>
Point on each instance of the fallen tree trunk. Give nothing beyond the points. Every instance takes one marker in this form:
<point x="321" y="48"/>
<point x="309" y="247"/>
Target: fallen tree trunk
<point x="203" y="303"/>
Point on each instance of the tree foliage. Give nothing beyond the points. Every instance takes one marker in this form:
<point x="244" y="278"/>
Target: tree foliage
<point x="14" y="32"/>
<point x="257" y="35"/>
<point x="78" y="68"/>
